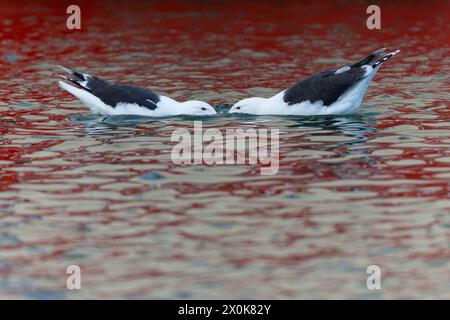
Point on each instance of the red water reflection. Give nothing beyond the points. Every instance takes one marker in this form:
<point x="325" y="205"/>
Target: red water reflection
<point x="355" y="191"/>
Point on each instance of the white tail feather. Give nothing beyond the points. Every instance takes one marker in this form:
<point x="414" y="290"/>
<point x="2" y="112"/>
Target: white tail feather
<point x="386" y="57"/>
<point x="91" y="101"/>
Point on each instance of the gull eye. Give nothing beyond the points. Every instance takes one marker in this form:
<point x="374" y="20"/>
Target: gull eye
<point x="203" y="108"/>
<point x="238" y="108"/>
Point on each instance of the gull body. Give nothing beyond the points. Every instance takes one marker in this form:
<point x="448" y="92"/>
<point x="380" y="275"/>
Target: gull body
<point x="106" y="98"/>
<point x="338" y="91"/>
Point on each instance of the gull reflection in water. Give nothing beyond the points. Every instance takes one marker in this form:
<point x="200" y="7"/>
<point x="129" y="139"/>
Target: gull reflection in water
<point x="358" y="126"/>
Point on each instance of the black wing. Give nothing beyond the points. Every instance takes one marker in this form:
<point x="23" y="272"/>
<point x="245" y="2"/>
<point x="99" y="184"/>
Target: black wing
<point x="112" y="94"/>
<point x="327" y="86"/>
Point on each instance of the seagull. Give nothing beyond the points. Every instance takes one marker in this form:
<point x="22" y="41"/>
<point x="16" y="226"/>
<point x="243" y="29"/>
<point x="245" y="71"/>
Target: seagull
<point x="338" y="91"/>
<point x="106" y="98"/>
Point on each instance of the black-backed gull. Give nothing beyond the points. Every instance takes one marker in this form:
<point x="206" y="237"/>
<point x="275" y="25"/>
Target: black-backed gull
<point x="338" y="91"/>
<point x="104" y="97"/>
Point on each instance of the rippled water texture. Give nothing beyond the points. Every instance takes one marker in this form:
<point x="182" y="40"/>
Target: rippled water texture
<point x="353" y="191"/>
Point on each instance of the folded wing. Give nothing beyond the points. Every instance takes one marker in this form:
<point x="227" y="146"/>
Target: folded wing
<point x="113" y="94"/>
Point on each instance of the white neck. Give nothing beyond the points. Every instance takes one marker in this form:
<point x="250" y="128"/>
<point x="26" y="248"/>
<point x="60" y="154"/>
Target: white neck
<point x="168" y="106"/>
<point x="268" y="106"/>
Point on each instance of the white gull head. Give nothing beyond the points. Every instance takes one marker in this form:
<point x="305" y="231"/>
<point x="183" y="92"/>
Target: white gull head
<point x="197" y="108"/>
<point x="170" y="107"/>
<point x="252" y="106"/>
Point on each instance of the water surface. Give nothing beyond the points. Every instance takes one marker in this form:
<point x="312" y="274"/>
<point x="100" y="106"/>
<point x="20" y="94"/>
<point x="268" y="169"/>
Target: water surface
<point x="351" y="191"/>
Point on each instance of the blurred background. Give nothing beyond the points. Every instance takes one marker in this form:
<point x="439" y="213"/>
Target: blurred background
<point x="103" y="194"/>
